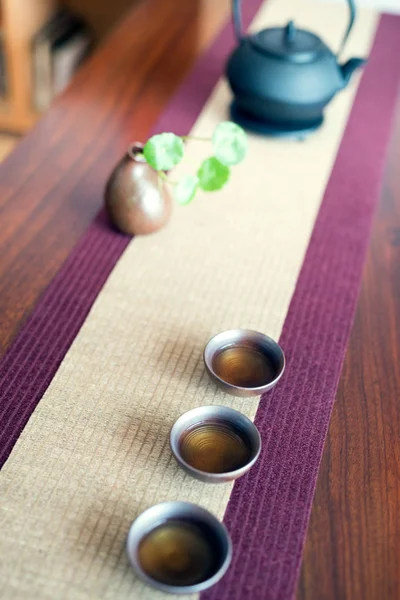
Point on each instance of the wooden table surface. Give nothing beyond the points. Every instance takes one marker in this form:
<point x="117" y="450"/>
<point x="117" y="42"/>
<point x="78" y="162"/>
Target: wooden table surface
<point x="50" y="190"/>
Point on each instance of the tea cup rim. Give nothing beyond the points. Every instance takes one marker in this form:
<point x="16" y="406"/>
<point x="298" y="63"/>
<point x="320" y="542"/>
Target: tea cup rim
<point x="138" y="531"/>
<point x="212" y="347"/>
<point x="222" y="413"/>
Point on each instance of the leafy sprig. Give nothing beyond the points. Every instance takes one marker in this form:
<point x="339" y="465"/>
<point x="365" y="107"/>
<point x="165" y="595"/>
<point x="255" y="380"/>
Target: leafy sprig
<point x="166" y="150"/>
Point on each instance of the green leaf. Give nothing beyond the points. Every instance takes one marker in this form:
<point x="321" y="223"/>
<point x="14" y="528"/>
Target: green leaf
<point x="229" y="143"/>
<point x="163" y="151"/>
<point x="185" y="190"/>
<point x="212" y="175"/>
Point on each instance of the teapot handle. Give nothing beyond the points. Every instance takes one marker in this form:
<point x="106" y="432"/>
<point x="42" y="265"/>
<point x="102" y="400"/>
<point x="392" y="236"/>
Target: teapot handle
<point x="352" y="16"/>
<point x="238" y="23"/>
<point x="237" y="19"/>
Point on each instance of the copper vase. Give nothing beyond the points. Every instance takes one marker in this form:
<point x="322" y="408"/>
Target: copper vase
<point x="136" y="201"/>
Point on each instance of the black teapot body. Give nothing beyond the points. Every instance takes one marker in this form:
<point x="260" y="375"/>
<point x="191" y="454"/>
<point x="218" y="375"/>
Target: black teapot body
<point x="285" y="76"/>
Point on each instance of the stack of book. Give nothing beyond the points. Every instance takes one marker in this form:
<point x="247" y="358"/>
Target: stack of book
<point x="58" y="49"/>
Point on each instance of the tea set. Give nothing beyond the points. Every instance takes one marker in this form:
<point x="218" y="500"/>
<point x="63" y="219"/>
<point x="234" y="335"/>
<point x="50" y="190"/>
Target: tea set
<point x="169" y="543"/>
<point x="281" y="78"/>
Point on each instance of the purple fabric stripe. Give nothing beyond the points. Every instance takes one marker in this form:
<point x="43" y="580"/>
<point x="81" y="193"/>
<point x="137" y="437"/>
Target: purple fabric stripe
<point x="28" y="367"/>
<point x="30" y="364"/>
<point x="268" y="511"/>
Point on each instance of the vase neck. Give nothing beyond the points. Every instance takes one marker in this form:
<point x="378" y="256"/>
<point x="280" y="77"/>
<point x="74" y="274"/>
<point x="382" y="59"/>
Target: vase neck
<point x="135" y="152"/>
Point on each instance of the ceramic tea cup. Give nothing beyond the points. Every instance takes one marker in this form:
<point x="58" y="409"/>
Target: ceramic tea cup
<point x="179" y="548"/>
<point x="215" y="443"/>
<point x="243" y="362"/>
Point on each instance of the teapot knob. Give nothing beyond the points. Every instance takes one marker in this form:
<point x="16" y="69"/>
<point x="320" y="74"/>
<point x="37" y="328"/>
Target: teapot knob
<point x="290" y="31"/>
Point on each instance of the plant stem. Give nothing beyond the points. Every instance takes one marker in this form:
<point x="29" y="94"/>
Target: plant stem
<point x="163" y="176"/>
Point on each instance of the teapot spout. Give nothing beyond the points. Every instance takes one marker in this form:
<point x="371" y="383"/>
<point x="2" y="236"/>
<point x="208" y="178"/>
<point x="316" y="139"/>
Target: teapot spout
<point x="348" y="68"/>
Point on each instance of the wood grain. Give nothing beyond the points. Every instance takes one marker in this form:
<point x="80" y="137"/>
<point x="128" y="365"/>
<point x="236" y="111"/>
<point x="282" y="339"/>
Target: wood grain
<point x="52" y="185"/>
<point x="50" y="189"/>
<point x="352" y="550"/>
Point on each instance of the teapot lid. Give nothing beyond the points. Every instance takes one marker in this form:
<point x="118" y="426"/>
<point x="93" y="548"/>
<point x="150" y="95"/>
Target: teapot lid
<point x="290" y="43"/>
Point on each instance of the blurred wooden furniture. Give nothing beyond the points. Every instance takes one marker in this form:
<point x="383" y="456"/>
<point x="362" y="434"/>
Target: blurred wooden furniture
<point x="51" y="187"/>
<point x="101" y="15"/>
<point x="20" y="20"/>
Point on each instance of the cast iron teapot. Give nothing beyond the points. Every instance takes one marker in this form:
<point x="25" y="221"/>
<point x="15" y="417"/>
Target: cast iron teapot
<point x="283" y="77"/>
